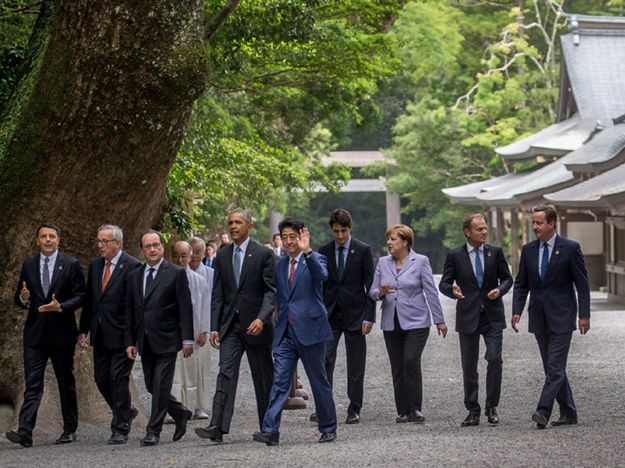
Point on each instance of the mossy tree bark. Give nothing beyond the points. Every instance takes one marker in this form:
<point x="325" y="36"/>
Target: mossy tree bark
<point x="89" y="137"/>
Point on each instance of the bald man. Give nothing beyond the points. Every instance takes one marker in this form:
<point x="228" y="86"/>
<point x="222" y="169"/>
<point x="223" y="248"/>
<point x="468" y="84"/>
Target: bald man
<point x="191" y="377"/>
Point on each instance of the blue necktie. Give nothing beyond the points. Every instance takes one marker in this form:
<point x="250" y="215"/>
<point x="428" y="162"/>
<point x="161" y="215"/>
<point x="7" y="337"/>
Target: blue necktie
<point x="148" y="281"/>
<point x="236" y="265"/>
<point x="544" y="264"/>
<point x="341" y="264"/>
<point x="479" y="270"/>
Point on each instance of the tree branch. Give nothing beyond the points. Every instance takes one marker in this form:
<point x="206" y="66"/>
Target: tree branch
<point x="213" y="25"/>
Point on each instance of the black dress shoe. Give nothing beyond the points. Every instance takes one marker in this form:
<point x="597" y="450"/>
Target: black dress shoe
<point x="267" y="438"/>
<point x="564" y="421"/>
<point x="402" y="418"/>
<point x="117" y="439"/>
<point x="313" y="417"/>
<point x="181" y="424"/>
<point x="210" y="432"/>
<point x="20" y="437"/>
<point x="540" y="420"/>
<point x="416" y="417"/>
<point x="66" y="438"/>
<point x="471" y="420"/>
<point x="150" y="440"/>
<point x="327" y="437"/>
<point x="352" y="418"/>
<point x="491" y="414"/>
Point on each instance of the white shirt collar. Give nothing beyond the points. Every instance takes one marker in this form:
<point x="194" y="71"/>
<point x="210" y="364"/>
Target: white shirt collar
<point x="551" y="241"/>
<point x="470" y="248"/>
<point x="115" y="259"/>
<point x="242" y="246"/>
<point x="156" y="267"/>
<point x="52" y="258"/>
<point x="346" y="244"/>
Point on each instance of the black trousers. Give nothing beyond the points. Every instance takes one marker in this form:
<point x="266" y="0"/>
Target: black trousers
<point x="112" y="368"/>
<point x="405" y="348"/>
<point x="35" y="361"/>
<point x="554" y="351"/>
<point x="231" y="349"/>
<point x="469" y="354"/>
<point x="158" y="371"/>
<point x="355" y="356"/>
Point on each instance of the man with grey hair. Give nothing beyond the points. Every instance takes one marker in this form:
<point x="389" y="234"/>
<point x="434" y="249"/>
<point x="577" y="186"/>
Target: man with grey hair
<point x="103" y="317"/>
<point x="191" y="377"/>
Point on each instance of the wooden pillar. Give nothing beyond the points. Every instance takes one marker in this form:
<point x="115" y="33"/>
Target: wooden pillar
<point x="514" y="240"/>
<point x="393" y="214"/>
<point x="500" y="225"/>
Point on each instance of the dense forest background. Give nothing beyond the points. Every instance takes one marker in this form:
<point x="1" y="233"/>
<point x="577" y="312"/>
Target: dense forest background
<point x="436" y="85"/>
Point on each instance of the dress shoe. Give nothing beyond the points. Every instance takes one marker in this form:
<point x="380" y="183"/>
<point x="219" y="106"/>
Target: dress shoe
<point x="491" y="414"/>
<point x="66" y="438"/>
<point x="200" y="414"/>
<point x="20" y="437"/>
<point x="540" y="420"/>
<point x="150" y="440"/>
<point x="266" y="437"/>
<point x="313" y="417"/>
<point x="210" y="432"/>
<point x="327" y="437"/>
<point x="352" y="418"/>
<point x="471" y="420"/>
<point x="402" y="418"/>
<point x="181" y="424"/>
<point x="416" y="417"/>
<point x="117" y="439"/>
<point x="564" y="421"/>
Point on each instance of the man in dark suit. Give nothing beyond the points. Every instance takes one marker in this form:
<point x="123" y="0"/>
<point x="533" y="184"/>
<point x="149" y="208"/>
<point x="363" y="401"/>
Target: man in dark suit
<point x="551" y="269"/>
<point x="51" y="286"/>
<point x="243" y="301"/>
<point x="103" y="316"/>
<point x="476" y="274"/>
<point x="350" y="309"/>
<point x="301" y="332"/>
<point x="159" y="319"/>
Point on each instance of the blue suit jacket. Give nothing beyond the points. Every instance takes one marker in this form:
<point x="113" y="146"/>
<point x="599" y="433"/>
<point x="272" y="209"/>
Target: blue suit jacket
<point x="553" y="303"/>
<point x="304" y="302"/>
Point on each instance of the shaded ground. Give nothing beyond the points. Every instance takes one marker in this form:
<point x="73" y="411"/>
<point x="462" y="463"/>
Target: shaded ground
<point x="596" y="371"/>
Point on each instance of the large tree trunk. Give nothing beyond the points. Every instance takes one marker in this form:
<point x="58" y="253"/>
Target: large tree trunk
<point x="89" y="137"/>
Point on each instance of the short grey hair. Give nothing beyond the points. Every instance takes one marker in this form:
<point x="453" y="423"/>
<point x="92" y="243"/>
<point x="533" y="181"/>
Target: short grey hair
<point x="118" y="234"/>
<point x="246" y="214"/>
<point x="197" y="240"/>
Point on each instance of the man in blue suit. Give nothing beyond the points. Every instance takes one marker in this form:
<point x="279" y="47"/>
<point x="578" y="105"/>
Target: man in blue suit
<point x="549" y="268"/>
<point x="301" y="331"/>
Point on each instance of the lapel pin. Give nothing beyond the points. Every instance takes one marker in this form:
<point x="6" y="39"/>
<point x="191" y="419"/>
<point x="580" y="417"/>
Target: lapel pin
<point x="557" y="252"/>
<point x="352" y="251"/>
<point x="249" y="255"/>
<point x="60" y="267"/>
<point x="488" y="254"/>
<point x="121" y="266"/>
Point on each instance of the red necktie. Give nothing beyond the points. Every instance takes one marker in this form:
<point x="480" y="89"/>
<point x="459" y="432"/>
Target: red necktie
<point x="292" y="273"/>
<point x="107" y="275"/>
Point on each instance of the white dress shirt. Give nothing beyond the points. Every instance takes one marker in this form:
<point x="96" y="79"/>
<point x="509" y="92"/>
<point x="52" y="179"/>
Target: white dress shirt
<point x="480" y="251"/>
<point x="551" y="242"/>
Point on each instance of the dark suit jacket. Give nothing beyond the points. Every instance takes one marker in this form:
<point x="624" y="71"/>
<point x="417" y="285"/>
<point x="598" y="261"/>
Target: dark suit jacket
<point x="553" y="304"/>
<point x="350" y="293"/>
<point x="255" y="298"/>
<point x="68" y="285"/>
<point x="304" y="302"/>
<point x="458" y="269"/>
<point x="166" y="312"/>
<point x="106" y="309"/>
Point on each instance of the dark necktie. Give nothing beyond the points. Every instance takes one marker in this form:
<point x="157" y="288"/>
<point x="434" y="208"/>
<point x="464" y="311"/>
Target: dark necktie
<point x="544" y="264"/>
<point x="479" y="270"/>
<point x="107" y="275"/>
<point x="45" y="280"/>
<point x="148" y="281"/>
<point x="292" y="273"/>
<point x="236" y="265"/>
<point x="341" y="264"/>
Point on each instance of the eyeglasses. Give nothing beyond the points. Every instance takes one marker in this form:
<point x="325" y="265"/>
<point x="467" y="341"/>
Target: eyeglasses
<point x="155" y="245"/>
<point x="104" y="241"/>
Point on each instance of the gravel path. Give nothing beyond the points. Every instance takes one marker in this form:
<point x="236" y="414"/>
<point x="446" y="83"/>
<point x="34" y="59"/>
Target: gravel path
<point x="596" y="371"/>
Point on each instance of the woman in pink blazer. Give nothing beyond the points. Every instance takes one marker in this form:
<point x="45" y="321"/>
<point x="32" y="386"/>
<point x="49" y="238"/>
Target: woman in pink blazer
<point x="404" y="283"/>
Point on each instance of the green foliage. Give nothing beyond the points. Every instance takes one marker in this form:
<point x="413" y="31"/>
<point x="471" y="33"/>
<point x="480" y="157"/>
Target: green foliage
<point x="278" y="70"/>
<point x="16" y="21"/>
